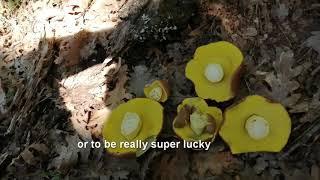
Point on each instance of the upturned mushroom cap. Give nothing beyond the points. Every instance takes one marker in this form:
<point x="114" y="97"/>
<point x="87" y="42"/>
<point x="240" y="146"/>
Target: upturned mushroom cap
<point x="158" y="90"/>
<point x="215" y="71"/>
<point x="137" y="119"/>
<point x="196" y="120"/>
<point x="256" y="124"/>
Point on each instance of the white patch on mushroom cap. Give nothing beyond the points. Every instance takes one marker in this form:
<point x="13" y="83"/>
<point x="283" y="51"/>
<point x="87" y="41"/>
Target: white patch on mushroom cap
<point x="214" y="73"/>
<point x="131" y="125"/>
<point x="156" y="93"/>
<point x="198" y="122"/>
<point x="257" y="127"/>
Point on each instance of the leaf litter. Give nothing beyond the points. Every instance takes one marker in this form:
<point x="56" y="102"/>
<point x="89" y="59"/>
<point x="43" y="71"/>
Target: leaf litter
<point x="282" y="81"/>
<point x="91" y="86"/>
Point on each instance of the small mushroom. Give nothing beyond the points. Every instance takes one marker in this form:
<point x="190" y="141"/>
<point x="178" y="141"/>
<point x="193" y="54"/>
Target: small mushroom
<point x="256" y="124"/>
<point x="158" y="90"/>
<point x="137" y="119"/>
<point x="196" y="120"/>
<point x="215" y="71"/>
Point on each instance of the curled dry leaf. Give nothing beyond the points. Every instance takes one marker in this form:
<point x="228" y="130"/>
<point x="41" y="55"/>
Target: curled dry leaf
<point x="211" y="127"/>
<point x="149" y="140"/>
<point x="183" y="116"/>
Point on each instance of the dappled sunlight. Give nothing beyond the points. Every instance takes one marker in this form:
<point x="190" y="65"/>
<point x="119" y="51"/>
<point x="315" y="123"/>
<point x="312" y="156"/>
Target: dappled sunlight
<point x="83" y="94"/>
<point x="65" y="65"/>
<point x="74" y="29"/>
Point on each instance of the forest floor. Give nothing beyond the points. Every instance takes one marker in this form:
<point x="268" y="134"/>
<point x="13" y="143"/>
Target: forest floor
<point x="65" y="64"/>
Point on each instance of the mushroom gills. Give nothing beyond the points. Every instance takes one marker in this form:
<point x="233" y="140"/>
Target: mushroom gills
<point x="131" y="125"/>
<point x="198" y="122"/>
<point x="257" y="127"/>
<point x="156" y="93"/>
<point x="214" y="73"/>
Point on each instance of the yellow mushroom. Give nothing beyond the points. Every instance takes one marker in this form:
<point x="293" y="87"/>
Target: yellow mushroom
<point x="196" y="120"/>
<point x="137" y="119"/>
<point x="256" y="124"/>
<point x="158" y="90"/>
<point x="215" y="70"/>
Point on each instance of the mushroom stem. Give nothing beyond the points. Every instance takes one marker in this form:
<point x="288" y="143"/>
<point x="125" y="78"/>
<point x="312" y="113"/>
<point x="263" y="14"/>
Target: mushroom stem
<point x="131" y="125"/>
<point x="257" y="127"/>
<point x="156" y="93"/>
<point x="214" y="73"/>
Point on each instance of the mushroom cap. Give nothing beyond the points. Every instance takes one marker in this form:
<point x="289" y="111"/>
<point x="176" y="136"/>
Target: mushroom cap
<point x="155" y="84"/>
<point x="151" y="114"/>
<point x="234" y="133"/>
<point x="186" y="132"/>
<point x="225" y="54"/>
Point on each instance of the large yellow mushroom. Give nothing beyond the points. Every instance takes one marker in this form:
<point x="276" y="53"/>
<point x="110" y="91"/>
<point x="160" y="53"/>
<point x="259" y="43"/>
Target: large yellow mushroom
<point x="215" y="70"/>
<point x="256" y="124"/>
<point x="137" y="119"/>
<point x="196" y="120"/>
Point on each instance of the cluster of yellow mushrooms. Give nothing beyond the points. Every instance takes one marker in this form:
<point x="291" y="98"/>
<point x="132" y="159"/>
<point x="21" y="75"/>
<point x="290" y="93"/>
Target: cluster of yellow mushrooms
<point x="254" y="124"/>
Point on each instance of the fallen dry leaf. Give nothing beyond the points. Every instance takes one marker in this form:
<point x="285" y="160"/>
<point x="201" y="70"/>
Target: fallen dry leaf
<point x="250" y="32"/>
<point x="313" y="109"/>
<point x="282" y="82"/>
<point x="69" y="154"/>
<point x="34" y="153"/>
<point x="261" y="165"/>
<point x="298" y="174"/>
<point x="138" y="79"/>
<point x="280" y="10"/>
<point x="172" y="167"/>
<point x="119" y="94"/>
<point x="214" y="162"/>
<point x="314" y="41"/>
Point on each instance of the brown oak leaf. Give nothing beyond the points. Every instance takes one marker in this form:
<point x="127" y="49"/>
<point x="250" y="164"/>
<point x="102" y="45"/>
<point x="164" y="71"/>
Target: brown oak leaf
<point x="282" y="82"/>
